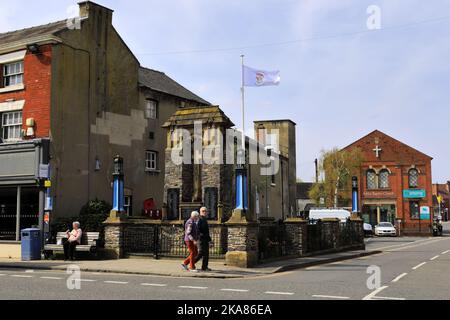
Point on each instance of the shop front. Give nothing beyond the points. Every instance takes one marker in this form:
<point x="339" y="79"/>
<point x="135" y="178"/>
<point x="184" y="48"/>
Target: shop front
<point x="374" y="212"/>
<point x="21" y="195"/>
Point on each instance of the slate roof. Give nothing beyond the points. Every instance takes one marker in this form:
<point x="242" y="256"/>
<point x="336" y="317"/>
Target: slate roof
<point x="187" y="116"/>
<point x="46" y="29"/>
<point x="303" y="189"/>
<point x="159" y="81"/>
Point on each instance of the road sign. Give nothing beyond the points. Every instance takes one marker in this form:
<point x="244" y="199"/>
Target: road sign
<point x="414" y="194"/>
<point x="425" y="213"/>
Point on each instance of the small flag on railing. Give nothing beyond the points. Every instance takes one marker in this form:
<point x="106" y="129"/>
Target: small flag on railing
<point x="260" y="78"/>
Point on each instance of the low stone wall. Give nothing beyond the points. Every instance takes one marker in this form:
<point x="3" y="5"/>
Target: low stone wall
<point x="244" y="244"/>
<point x="10" y="250"/>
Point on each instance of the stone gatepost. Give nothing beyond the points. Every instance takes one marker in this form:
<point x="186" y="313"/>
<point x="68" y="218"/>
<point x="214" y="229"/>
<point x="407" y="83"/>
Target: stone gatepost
<point x="357" y="227"/>
<point x="296" y="233"/>
<point x="114" y="238"/>
<point x="242" y="242"/>
<point x="330" y="232"/>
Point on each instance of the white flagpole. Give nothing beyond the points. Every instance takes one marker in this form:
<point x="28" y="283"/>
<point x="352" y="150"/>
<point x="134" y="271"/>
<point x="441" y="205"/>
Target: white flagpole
<point x="243" y="106"/>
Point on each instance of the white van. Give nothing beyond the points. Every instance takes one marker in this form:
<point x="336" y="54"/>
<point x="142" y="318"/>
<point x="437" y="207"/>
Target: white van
<point x="319" y="214"/>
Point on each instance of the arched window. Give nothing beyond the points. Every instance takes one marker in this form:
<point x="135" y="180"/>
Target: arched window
<point x="413" y="178"/>
<point x="384" y="179"/>
<point x="371" y="179"/>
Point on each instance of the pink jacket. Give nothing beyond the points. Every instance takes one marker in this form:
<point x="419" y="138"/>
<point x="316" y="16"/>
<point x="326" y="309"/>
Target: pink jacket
<point x="75" y="235"/>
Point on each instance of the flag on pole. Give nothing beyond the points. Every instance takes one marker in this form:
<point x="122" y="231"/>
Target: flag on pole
<point x="260" y="78"/>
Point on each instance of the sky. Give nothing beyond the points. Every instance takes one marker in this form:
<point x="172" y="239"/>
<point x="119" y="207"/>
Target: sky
<point x="339" y="80"/>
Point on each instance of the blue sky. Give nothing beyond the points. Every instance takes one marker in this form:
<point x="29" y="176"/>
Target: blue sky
<point x="338" y="85"/>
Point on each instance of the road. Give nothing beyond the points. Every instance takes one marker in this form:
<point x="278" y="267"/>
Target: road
<point x="410" y="268"/>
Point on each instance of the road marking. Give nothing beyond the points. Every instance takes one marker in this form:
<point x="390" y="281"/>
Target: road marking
<point x="399" y="277"/>
<point x="20" y="276"/>
<point x="116" y="282"/>
<point x="445" y="252"/>
<point x="280" y="293"/>
<point x="329" y="297"/>
<point x="402" y="244"/>
<point x="371" y="295"/>
<point x="189" y="287"/>
<point x="51" y="278"/>
<point x="153" y="284"/>
<point x="29" y="271"/>
<point x="388" y="298"/>
<point x="419" y="265"/>
<point x="2" y="275"/>
<point x="87" y="280"/>
<point x="434" y="258"/>
<point x="235" y="290"/>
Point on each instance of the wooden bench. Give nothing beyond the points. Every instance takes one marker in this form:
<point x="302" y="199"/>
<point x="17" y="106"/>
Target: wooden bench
<point x="88" y="243"/>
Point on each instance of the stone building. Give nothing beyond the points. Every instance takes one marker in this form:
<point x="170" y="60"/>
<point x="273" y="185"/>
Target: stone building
<point x="188" y="186"/>
<point x="72" y="96"/>
<point x="395" y="183"/>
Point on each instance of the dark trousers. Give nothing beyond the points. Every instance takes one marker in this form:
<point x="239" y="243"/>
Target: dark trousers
<point x="69" y="249"/>
<point x="203" y="253"/>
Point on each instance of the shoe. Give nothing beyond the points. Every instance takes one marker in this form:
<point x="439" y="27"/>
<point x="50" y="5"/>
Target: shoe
<point x="184" y="267"/>
<point x="193" y="270"/>
<point x="207" y="270"/>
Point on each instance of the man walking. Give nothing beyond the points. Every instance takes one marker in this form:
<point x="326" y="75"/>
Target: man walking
<point x="204" y="239"/>
<point x="191" y="237"/>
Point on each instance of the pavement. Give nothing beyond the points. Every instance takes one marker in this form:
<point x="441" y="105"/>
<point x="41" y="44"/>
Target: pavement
<point x="172" y="268"/>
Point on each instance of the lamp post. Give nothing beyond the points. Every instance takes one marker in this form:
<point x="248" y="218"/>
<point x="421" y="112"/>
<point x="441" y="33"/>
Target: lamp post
<point x="355" y="195"/>
<point x="241" y="182"/>
<point x="118" y="186"/>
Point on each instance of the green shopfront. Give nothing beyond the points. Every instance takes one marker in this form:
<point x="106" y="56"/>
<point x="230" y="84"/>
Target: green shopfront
<point x="379" y="206"/>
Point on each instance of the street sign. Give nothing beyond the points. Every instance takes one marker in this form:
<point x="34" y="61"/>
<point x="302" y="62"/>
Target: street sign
<point x="425" y="213"/>
<point x="44" y="171"/>
<point x="414" y="193"/>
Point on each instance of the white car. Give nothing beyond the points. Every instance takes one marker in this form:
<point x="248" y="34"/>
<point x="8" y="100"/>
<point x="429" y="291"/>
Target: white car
<point x="385" y="229"/>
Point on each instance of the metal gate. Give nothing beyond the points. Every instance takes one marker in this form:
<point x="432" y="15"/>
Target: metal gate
<point x="169" y="243"/>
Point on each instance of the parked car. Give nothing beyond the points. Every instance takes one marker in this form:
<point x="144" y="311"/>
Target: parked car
<point x="368" y="230"/>
<point x="385" y="229"/>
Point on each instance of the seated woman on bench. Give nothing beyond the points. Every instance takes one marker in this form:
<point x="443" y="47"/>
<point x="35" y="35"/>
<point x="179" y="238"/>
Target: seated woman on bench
<point x="74" y="239"/>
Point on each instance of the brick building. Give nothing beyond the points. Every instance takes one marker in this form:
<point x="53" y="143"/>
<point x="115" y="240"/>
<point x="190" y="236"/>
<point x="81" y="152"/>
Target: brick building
<point x="72" y="96"/>
<point x="395" y="183"/>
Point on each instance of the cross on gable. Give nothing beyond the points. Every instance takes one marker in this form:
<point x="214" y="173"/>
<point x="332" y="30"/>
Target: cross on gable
<point x="377" y="151"/>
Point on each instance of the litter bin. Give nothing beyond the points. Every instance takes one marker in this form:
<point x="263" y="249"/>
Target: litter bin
<point x="31" y="244"/>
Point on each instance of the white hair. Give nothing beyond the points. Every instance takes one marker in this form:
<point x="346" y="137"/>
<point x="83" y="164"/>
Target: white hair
<point x="76" y="223"/>
<point x="194" y="214"/>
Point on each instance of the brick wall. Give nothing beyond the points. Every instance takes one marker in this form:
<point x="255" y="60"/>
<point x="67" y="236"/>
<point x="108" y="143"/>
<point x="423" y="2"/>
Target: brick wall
<point x="37" y="92"/>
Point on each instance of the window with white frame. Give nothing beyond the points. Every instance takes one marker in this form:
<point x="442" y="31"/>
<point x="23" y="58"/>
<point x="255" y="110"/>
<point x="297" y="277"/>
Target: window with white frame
<point x="13" y="74"/>
<point x="11" y="126"/>
<point x="151" y="109"/>
<point x="128" y="205"/>
<point x="151" y="161"/>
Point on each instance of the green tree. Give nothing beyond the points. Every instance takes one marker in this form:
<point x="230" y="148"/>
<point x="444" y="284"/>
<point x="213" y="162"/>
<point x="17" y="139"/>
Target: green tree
<point x="337" y="168"/>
